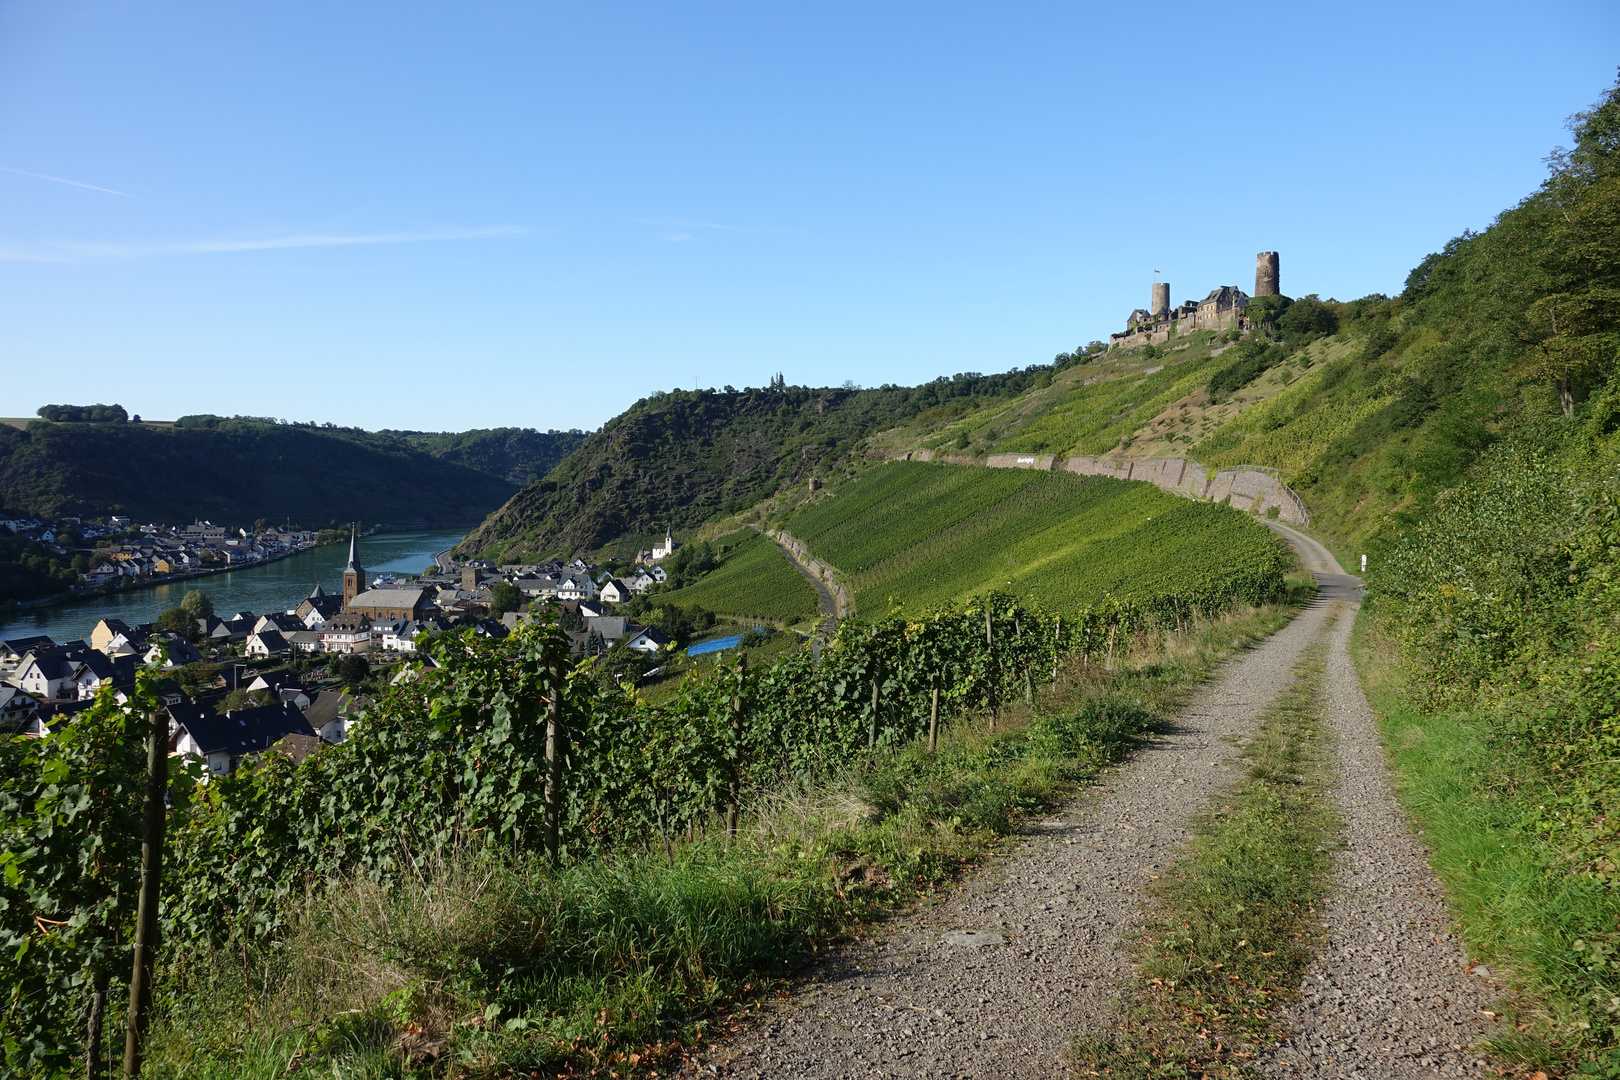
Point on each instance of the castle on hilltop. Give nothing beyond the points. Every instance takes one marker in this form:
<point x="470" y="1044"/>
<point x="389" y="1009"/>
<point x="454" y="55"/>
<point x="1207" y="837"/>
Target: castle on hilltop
<point x="1223" y="309"/>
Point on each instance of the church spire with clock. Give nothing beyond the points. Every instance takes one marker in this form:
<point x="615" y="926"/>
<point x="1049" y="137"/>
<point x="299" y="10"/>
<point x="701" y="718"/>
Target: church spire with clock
<point x="354" y="575"/>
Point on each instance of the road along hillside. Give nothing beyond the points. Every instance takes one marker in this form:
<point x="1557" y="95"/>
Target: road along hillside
<point x="998" y="979"/>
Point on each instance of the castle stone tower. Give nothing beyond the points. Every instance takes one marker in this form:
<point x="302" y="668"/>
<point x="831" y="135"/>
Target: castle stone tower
<point x="1267" y="275"/>
<point x="354" y="575"/>
<point x="1161" y="298"/>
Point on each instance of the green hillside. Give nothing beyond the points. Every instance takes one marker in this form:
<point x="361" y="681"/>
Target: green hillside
<point x="753" y="580"/>
<point x="679" y="459"/>
<point x="922" y="534"/>
<point x="234" y="472"/>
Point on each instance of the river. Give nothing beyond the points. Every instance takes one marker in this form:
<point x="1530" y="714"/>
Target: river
<point x="275" y="586"/>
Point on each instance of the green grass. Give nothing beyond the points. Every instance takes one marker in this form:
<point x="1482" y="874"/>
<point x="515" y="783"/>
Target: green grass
<point x="485" y="966"/>
<point x="1233" y="924"/>
<point x="1545" y="928"/>
<point x="754" y="580"/>
<point x="924" y="534"/>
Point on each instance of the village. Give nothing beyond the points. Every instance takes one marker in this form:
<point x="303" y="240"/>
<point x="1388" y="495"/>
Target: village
<point x="240" y="684"/>
<point x="125" y="554"/>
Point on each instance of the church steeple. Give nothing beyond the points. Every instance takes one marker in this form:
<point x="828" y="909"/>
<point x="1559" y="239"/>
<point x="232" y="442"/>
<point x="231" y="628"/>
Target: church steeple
<point x="354" y="575"/>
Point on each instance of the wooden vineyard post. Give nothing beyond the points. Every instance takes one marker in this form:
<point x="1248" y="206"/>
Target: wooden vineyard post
<point x="1057" y="647"/>
<point x="933" y="719"/>
<point x="154" y="820"/>
<point x="734" y="793"/>
<point x="990" y="667"/>
<point x="554" y="763"/>
<point x="871" y="734"/>
<point x="1111" y="628"/>
<point x="1029" y="684"/>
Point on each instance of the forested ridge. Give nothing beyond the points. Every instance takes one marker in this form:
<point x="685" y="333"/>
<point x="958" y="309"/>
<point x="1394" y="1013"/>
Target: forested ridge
<point x="238" y="470"/>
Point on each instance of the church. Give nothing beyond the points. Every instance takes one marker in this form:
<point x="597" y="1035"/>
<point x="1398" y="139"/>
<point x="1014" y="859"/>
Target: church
<point x="379" y="604"/>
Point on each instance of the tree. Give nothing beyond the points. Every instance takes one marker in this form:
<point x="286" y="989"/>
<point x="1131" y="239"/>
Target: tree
<point x="197" y="605"/>
<point x="1306" y="319"/>
<point x="242" y="698"/>
<point x="176" y="621"/>
<point x="354" y="669"/>
<point x="504" y="597"/>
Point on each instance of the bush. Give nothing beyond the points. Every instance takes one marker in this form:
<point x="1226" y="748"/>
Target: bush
<point x="354" y="669"/>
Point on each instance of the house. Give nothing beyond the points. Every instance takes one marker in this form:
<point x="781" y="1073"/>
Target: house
<point x="317" y="607"/>
<point x="614" y="591"/>
<point x="170" y="650"/>
<point x="130" y="642"/>
<point x="609" y="627"/>
<point x="304" y="641"/>
<point x="349" y="632"/>
<point x="587" y="608"/>
<point x="49" y="674"/>
<point x="96" y="671"/>
<point x="16" y="708"/>
<point x="13" y="650"/>
<point x="284" y="687"/>
<point x="105" y="631"/>
<point x="576" y="586"/>
<point x="266" y="643"/>
<point x="333" y="713"/>
<point x="279" y="620"/>
<point x="408" y="636"/>
<point x="224" y="741"/>
<point x="641" y="582"/>
<point x="647" y="639"/>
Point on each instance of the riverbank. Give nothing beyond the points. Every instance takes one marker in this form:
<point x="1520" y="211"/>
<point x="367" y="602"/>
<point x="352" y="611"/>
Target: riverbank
<point x="271" y="585"/>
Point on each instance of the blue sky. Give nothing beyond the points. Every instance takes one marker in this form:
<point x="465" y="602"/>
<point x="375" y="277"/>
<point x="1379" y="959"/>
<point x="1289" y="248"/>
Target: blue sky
<point x="452" y="216"/>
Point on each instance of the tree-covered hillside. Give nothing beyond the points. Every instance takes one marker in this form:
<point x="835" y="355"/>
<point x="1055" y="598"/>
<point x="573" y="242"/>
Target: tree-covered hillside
<point x="516" y="455"/>
<point x="235" y="471"/>
<point x="675" y="460"/>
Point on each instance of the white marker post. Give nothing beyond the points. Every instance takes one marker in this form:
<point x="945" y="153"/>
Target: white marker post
<point x="1364" y="564"/>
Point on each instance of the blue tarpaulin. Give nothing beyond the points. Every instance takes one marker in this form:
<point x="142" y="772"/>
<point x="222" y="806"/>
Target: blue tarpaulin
<point x="716" y="645"/>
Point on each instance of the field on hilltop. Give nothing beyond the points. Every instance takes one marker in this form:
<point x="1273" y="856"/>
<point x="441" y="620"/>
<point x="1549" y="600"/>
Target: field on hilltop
<point x="921" y="534"/>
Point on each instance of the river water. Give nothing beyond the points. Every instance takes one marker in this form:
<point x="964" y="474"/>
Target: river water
<point x="275" y="586"/>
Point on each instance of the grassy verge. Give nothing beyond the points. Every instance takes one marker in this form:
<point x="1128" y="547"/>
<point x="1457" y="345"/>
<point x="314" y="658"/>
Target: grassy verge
<point x="488" y="966"/>
<point x="1543" y="927"/>
<point x="1234" y="925"/>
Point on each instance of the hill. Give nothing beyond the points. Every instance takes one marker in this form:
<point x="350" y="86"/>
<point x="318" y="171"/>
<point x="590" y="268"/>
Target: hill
<point x="235" y="471"/>
<point x="916" y="535"/>
<point x="678" y="459"/>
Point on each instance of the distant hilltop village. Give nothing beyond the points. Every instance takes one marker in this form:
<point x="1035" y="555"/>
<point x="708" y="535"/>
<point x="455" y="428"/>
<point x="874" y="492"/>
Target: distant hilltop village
<point x="1223" y="309"/>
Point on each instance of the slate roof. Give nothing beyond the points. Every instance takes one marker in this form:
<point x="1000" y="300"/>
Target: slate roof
<point x="22" y="646"/>
<point x="389" y="598"/>
<point x="244" y="731"/>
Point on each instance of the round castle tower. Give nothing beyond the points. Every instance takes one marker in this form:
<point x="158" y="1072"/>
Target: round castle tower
<point x="1267" y="275"/>
<point x="1161" y="298"/>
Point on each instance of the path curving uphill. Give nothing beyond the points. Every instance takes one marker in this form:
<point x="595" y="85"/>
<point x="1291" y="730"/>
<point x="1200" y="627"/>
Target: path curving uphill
<point x="1390" y="994"/>
<point x="927" y="999"/>
<point x="1000" y="978"/>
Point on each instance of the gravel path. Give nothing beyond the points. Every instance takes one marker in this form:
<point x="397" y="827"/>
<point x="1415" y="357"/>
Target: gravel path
<point x="997" y="979"/>
<point x="1390" y="995"/>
